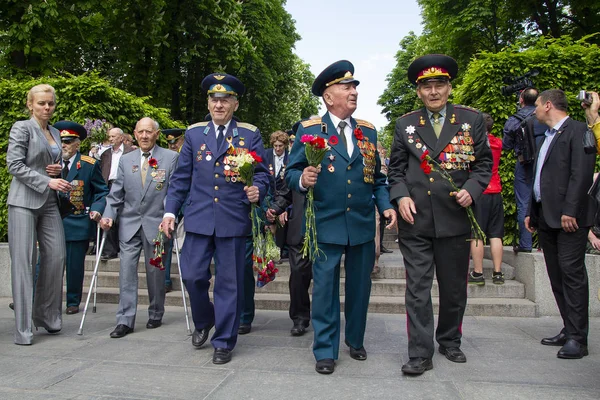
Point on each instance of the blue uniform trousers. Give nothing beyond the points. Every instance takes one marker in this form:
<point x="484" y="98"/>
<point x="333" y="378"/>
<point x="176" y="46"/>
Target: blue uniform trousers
<point x="228" y="289"/>
<point x="523" y="188"/>
<point x="249" y="285"/>
<point x="326" y="296"/>
<point x="75" y="270"/>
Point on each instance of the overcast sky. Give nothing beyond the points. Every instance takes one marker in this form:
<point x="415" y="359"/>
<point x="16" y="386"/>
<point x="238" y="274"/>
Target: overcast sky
<point x="366" y="32"/>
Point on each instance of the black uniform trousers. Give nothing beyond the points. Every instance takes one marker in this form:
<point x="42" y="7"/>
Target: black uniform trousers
<point x="299" y="283"/>
<point x="450" y="257"/>
<point x="564" y="253"/>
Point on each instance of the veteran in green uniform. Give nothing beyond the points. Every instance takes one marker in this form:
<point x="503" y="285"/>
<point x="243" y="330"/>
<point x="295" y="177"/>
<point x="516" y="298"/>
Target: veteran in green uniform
<point x="347" y="187"/>
<point x="434" y="228"/>
<point x="88" y="195"/>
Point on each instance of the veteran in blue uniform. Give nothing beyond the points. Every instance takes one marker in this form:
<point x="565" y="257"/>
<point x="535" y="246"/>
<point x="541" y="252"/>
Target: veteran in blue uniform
<point x="347" y="187"/>
<point x="217" y="213"/>
<point x="434" y="228"/>
<point x="88" y="196"/>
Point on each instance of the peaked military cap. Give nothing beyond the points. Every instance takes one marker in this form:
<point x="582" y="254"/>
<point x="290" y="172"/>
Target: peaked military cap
<point x="222" y="85"/>
<point x="437" y="67"/>
<point x="70" y="130"/>
<point x="339" y="72"/>
<point x="173" y="134"/>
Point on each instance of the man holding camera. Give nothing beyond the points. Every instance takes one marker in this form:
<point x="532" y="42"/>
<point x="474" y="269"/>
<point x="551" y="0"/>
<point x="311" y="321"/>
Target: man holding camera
<point x="562" y="212"/>
<point x="521" y="129"/>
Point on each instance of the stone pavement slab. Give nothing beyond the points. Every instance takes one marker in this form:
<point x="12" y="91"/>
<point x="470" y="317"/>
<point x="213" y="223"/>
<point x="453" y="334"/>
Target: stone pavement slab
<point x="505" y="361"/>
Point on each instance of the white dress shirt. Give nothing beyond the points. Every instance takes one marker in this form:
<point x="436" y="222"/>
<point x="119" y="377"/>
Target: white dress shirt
<point x="114" y="163"/>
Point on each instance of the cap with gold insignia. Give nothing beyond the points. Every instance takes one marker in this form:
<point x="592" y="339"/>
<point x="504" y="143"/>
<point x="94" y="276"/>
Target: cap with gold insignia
<point x="173" y="134"/>
<point x="222" y="85"/>
<point x="438" y="67"/>
<point x="339" y="72"/>
<point x="70" y="131"/>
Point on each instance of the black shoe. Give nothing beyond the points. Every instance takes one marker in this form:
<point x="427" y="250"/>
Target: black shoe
<point x="106" y="257"/>
<point x="558" y="340"/>
<point x="153" y="323"/>
<point x="385" y="250"/>
<point x="120" y="331"/>
<point x="517" y="249"/>
<point x="72" y="310"/>
<point x="325" y="366"/>
<point x="453" y="354"/>
<point x="92" y="250"/>
<point x="168" y="287"/>
<point x="299" y="328"/>
<point x="11" y="306"/>
<point x="417" y="365"/>
<point x="52" y="331"/>
<point x="572" y="350"/>
<point x="199" y="336"/>
<point x="221" y="356"/>
<point x="244" y="329"/>
<point x="357" y="354"/>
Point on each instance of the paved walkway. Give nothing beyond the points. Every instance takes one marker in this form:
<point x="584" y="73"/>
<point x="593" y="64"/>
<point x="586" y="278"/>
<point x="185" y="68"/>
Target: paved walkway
<point x="505" y="361"/>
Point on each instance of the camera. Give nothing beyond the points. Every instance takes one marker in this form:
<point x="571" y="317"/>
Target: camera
<point x="584" y="97"/>
<point x="515" y="84"/>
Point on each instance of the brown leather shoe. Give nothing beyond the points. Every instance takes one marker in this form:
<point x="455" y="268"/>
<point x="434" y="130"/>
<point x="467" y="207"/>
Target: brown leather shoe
<point x="72" y="310"/>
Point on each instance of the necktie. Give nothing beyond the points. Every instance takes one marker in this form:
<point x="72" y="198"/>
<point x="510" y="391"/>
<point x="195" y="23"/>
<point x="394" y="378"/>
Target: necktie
<point x="342" y="125"/>
<point x="145" y="167"/>
<point x="65" y="170"/>
<point x="220" y="136"/>
<point x="437" y="126"/>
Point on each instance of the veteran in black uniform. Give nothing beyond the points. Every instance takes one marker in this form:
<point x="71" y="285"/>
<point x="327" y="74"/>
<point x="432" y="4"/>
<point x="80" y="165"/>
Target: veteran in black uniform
<point x="88" y="195"/>
<point x="434" y="228"/>
<point x="347" y="187"/>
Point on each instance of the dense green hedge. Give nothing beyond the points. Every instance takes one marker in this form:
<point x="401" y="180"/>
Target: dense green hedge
<point x="563" y="63"/>
<point x="78" y="98"/>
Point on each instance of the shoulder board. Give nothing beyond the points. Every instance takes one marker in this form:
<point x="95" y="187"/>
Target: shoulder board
<point x="310" y="122"/>
<point x="364" y="123"/>
<point x="88" y="159"/>
<point x="248" y="126"/>
<point x="411" y="113"/>
<point x="460" y="107"/>
<point x="203" y="123"/>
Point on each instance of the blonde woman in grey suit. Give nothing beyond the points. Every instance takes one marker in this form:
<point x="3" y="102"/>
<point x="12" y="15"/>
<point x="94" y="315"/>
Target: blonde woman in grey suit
<point x="33" y="160"/>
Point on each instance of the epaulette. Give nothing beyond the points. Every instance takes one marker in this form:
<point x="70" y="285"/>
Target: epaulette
<point x="410" y="113"/>
<point x="88" y="159"/>
<point x="248" y="126"/>
<point x="466" y="108"/>
<point x="364" y="123"/>
<point x="310" y="122"/>
<point x="202" y="123"/>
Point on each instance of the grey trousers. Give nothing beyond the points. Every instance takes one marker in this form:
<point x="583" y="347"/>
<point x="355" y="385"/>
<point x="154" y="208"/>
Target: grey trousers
<point x="25" y="226"/>
<point x="128" y="281"/>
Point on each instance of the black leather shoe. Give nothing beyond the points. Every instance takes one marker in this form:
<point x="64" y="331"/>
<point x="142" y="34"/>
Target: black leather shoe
<point x="299" y="329"/>
<point x="52" y="331"/>
<point x="106" y="257"/>
<point x="386" y="250"/>
<point x="168" y="287"/>
<point x="244" y="329"/>
<point x="11" y="306"/>
<point x="153" y="323"/>
<point x="72" y="310"/>
<point x="199" y="336"/>
<point x="558" y="340"/>
<point x="120" y="331"/>
<point x="517" y="249"/>
<point x="417" y="365"/>
<point x="572" y="350"/>
<point x="325" y="366"/>
<point x="453" y="354"/>
<point x="221" y="356"/>
<point x="357" y="354"/>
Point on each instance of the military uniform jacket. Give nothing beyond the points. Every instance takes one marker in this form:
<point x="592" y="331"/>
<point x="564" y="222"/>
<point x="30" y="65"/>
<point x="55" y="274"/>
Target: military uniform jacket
<point x="217" y="203"/>
<point x="463" y="151"/>
<point x="89" y="191"/>
<point x="348" y="187"/>
<point x="276" y="181"/>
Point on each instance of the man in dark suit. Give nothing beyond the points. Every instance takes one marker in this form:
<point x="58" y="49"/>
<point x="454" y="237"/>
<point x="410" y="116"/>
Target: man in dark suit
<point x="434" y="229"/>
<point x="276" y="159"/>
<point x="217" y="213"/>
<point x="562" y="212"/>
<point x="89" y="198"/>
<point x="347" y="185"/>
<point x="109" y="165"/>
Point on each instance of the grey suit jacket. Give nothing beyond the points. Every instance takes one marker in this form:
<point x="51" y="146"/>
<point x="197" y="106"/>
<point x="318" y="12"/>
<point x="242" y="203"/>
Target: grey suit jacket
<point x="136" y="205"/>
<point x="27" y="157"/>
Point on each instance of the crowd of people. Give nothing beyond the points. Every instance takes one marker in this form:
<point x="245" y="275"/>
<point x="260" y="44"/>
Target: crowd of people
<point x="442" y="170"/>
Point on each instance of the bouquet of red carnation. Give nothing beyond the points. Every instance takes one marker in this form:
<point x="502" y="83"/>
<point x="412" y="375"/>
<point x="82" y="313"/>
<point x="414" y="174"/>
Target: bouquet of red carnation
<point x="428" y="164"/>
<point x="315" y="148"/>
<point x="267" y="274"/>
<point x="159" y="251"/>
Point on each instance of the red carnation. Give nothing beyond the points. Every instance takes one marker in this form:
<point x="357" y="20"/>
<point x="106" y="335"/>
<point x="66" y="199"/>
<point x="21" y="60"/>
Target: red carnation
<point x="333" y="140"/>
<point x="318" y="142"/>
<point x="358" y="133"/>
<point x="152" y="162"/>
<point x="256" y="157"/>
<point x="426" y="167"/>
<point x="424" y="155"/>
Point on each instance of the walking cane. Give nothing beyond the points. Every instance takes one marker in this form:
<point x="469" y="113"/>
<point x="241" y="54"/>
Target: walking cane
<point x="98" y="253"/>
<point x="185" y="308"/>
<point x="94" y="278"/>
